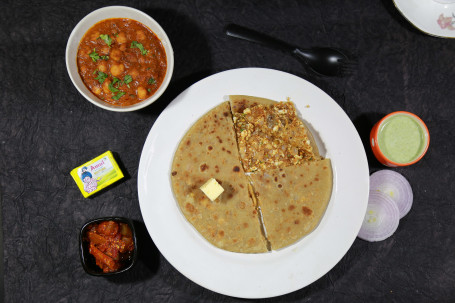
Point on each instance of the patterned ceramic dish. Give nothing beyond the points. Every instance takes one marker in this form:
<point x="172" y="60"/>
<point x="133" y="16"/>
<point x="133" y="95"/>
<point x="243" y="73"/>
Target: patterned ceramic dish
<point x="433" y="17"/>
<point x="115" y="12"/>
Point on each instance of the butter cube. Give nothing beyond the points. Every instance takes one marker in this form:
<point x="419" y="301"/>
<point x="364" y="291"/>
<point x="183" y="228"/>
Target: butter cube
<point x="212" y="189"/>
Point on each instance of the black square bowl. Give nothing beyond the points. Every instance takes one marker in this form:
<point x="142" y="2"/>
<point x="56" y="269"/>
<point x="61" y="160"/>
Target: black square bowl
<point x="88" y="261"/>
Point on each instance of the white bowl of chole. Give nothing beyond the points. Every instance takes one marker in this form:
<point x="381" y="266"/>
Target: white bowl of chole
<point x="119" y="58"/>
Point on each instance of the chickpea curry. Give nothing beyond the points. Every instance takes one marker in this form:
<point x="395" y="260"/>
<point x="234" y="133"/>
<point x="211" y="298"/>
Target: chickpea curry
<point x="111" y="244"/>
<point x="121" y="61"/>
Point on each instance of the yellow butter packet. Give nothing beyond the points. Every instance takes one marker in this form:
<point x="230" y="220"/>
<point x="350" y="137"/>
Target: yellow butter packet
<point x="96" y="174"/>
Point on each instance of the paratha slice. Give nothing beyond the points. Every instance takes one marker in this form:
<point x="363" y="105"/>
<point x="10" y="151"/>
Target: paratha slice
<point x="240" y="102"/>
<point x="209" y="150"/>
<point x="293" y="200"/>
<point x="270" y="134"/>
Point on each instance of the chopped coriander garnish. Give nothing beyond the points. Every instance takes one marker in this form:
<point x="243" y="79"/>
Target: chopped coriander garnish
<point x="113" y="89"/>
<point x="106" y="39"/>
<point x="138" y="45"/>
<point x="94" y="55"/>
<point x="127" y="80"/>
<point x="118" y="95"/>
<point x="115" y="80"/>
<point x="151" y="81"/>
<point x="133" y="96"/>
<point x="149" y="90"/>
<point x="101" y="77"/>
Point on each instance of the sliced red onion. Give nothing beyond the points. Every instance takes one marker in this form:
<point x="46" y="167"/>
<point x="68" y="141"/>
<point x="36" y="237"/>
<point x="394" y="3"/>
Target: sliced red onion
<point x="381" y="219"/>
<point x="394" y="185"/>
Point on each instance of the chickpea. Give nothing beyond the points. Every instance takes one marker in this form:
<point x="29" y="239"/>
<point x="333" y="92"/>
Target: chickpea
<point x="102" y="66"/>
<point x="134" y="73"/>
<point x="86" y="50"/>
<point x="117" y="69"/>
<point x="141" y="92"/>
<point x="83" y="69"/>
<point x="106" y="86"/>
<point x="140" y="35"/>
<point x="130" y="58"/>
<point x="116" y="54"/>
<point x="95" y="35"/>
<point x="121" y="38"/>
<point x="105" y="50"/>
<point x="96" y="90"/>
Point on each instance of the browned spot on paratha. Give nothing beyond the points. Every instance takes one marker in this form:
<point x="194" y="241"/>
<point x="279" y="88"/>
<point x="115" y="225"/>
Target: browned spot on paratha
<point x="190" y="207"/>
<point x="306" y="211"/>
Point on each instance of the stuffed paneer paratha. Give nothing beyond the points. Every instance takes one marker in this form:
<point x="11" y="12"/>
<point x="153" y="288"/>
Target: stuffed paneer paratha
<point x="209" y="150"/>
<point x="293" y="199"/>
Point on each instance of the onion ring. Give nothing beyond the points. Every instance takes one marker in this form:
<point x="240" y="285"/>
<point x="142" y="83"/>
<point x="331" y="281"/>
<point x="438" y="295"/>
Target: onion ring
<point x="381" y="219"/>
<point x="394" y="185"/>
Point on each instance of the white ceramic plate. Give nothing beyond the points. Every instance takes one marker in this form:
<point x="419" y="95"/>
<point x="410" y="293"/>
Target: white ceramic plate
<point x="254" y="275"/>
<point x="433" y="17"/>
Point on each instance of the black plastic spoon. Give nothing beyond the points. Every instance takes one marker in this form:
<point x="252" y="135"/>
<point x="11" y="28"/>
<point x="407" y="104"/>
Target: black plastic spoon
<point x="322" y="60"/>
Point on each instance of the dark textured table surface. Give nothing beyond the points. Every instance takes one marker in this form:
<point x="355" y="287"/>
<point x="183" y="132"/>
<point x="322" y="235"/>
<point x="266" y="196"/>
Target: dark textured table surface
<point x="47" y="128"/>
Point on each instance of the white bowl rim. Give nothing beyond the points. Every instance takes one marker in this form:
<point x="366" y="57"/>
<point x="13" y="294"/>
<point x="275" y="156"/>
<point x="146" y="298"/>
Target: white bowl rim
<point x="166" y="44"/>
